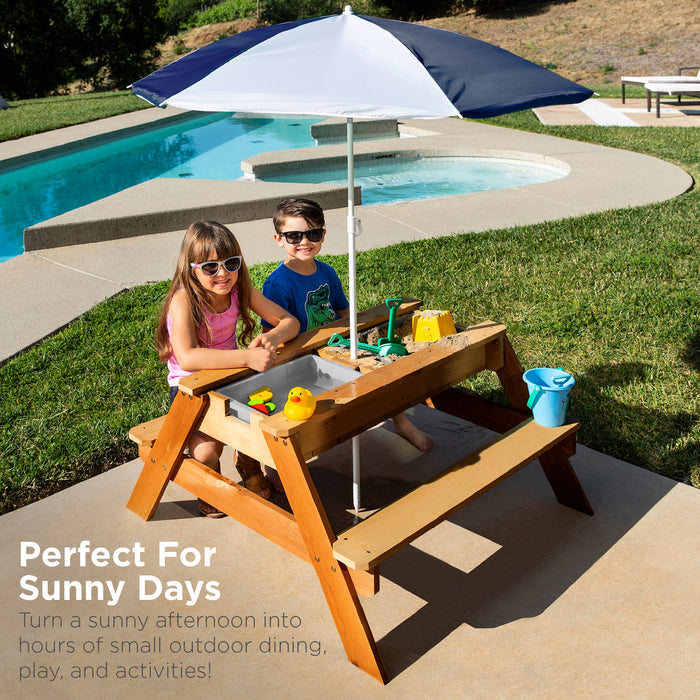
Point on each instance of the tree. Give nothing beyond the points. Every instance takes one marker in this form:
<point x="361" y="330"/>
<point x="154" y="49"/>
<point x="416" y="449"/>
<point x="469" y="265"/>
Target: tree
<point x="175" y="13"/>
<point x="276" y="11"/>
<point x="38" y="47"/>
<point x="118" y="39"/>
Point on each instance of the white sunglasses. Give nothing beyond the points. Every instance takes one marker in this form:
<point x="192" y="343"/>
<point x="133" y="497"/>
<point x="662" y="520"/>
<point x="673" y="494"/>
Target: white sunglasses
<point x="212" y="267"/>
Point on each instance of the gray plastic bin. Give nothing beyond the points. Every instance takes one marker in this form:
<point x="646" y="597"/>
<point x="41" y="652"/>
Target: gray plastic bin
<point x="312" y="372"/>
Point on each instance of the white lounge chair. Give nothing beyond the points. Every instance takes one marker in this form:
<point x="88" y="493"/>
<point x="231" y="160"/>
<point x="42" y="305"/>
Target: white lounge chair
<point x="643" y="79"/>
<point x="669" y="88"/>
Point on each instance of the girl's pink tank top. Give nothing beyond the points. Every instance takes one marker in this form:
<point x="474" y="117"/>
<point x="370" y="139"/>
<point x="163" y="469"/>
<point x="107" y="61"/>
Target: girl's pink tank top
<point x="223" y="335"/>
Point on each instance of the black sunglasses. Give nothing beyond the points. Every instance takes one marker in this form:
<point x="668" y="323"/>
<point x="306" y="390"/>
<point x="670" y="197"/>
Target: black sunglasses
<point x="211" y="268"/>
<point x="313" y="235"/>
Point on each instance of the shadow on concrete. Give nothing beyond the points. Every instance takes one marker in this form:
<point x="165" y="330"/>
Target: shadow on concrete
<point x="543" y="550"/>
<point x="537" y="548"/>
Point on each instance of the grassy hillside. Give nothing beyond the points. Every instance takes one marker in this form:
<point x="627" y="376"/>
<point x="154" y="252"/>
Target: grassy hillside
<point x="589" y="41"/>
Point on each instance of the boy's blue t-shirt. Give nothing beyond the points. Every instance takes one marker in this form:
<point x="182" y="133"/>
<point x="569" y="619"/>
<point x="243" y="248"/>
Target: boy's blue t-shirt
<point x="313" y="299"/>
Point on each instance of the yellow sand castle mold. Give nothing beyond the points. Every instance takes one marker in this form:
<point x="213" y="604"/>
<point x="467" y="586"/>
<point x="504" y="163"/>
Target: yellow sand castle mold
<point x="432" y="325"/>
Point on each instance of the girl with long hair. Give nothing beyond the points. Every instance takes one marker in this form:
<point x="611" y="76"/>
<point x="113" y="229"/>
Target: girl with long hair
<point x="206" y="323"/>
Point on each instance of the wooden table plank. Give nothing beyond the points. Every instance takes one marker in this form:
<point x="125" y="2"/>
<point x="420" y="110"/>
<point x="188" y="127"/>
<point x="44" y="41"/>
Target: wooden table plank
<point x="356" y="406"/>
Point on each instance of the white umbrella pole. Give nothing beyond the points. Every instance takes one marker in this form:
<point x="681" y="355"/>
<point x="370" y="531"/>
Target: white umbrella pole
<point x="352" y="228"/>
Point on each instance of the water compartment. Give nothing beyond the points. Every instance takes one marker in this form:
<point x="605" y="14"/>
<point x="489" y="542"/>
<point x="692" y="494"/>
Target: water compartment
<point x="311" y="372"/>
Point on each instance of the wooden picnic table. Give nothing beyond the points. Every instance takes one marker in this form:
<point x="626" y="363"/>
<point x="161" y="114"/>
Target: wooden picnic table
<point x="347" y="563"/>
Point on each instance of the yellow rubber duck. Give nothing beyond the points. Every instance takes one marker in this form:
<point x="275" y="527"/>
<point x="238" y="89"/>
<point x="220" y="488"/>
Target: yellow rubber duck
<point x="300" y="405"/>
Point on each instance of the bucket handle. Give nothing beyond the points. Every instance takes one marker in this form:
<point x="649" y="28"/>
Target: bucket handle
<point x="532" y="400"/>
<point x="560" y="381"/>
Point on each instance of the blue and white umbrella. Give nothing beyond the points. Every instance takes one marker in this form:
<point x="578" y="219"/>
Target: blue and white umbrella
<point x="356" y="66"/>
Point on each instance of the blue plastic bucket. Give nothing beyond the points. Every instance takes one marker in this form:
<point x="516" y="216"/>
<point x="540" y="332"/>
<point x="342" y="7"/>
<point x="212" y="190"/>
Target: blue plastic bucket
<point x="549" y="394"/>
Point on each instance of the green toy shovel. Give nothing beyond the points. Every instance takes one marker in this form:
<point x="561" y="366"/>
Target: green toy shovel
<point x="391" y="344"/>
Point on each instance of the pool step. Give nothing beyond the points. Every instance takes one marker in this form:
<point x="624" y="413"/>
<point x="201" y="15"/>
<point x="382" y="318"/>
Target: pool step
<point x="168" y="204"/>
<point x="334" y="130"/>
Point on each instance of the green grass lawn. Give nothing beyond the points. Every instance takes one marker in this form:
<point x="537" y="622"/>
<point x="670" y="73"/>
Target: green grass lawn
<point x="613" y="297"/>
<point x="26" y="117"/>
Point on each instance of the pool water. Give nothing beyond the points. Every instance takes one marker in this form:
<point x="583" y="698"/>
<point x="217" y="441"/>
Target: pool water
<point x="211" y="147"/>
<point x="397" y="179"/>
<point x="206" y="147"/>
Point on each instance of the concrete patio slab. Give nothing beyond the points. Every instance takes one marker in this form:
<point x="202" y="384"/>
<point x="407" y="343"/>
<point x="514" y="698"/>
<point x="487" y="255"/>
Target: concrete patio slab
<point x="514" y="596"/>
<point x="612" y="112"/>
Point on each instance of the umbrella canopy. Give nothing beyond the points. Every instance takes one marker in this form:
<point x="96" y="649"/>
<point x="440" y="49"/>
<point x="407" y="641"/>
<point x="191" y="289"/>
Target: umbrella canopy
<point x="356" y="66"/>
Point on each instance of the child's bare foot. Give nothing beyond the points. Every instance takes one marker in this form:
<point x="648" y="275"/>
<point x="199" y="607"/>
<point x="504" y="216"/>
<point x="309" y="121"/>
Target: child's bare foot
<point x="274" y="478"/>
<point x="408" y="431"/>
<point x="259" y="485"/>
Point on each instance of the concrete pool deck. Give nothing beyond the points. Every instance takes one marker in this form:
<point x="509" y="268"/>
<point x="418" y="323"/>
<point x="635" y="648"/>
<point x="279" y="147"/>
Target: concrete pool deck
<point x="514" y="596"/>
<point x="68" y="280"/>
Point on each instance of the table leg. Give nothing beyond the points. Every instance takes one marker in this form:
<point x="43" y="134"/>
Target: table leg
<point x="511" y="378"/>
<point x="563" y="480"/>
<point x="338" y="588"/>
<point x="165" y="457"/>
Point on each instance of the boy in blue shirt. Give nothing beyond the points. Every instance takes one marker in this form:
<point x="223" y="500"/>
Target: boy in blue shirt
<point x="310" y="289"/>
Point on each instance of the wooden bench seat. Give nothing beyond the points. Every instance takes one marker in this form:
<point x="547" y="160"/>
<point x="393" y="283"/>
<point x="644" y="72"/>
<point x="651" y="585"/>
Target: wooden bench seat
<point x="145" y="435"/>
<point x="366" y="544"/>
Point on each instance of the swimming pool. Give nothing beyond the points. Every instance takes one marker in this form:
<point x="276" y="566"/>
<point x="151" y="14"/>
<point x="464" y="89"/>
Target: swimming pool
<point x="397" y="178"/>
<point x="211" y="146"/>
